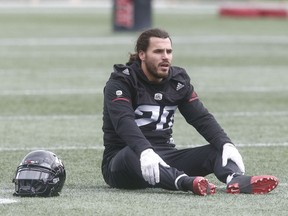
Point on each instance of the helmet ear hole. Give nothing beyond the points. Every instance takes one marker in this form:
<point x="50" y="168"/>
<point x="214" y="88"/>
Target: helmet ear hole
<point x="40" y="173"/>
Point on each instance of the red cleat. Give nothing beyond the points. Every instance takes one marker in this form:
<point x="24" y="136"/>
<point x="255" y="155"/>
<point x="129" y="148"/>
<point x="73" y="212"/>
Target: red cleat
<point x="252" y="184"/>
<point x="202" y="187"/>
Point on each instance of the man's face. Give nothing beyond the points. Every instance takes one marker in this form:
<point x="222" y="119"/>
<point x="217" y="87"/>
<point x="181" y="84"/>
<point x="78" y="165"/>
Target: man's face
<point x="156" y="61"/>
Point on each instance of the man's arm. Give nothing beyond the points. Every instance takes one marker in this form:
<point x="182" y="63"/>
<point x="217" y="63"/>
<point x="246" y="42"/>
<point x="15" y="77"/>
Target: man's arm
<point x="197" y="115"/>
<point x="204" y="122"/>
<point x="117" y="98"/>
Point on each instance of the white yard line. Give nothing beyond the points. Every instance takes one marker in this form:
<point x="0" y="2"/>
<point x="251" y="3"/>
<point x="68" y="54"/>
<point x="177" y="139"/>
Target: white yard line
<point x="43" y="92"/>
<point x="251" y="114"/>
<point x="261" y="145"/>
<point x="103" y="41"/>
<point x="49" y="92"/>
<point x="244" y="89"/>
<point x="69" y="147"/>
<point x="97" y="116"/>
<point x="66" y="147"/>
<point x="7" y="201"/>
<point x="48" y="117"/>
<point x="219" y="53"/>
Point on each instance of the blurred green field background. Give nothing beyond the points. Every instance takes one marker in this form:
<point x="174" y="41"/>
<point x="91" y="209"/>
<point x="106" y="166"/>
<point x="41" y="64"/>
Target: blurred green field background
<point x="54" y="64"/>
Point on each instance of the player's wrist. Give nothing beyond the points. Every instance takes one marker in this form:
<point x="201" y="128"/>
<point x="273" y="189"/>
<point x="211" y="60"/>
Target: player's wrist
<point x="146" y="152"/>
<point x="228" y="145"/>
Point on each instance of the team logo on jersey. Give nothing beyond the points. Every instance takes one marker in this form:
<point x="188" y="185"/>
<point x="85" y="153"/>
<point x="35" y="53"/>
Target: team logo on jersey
<point x="119" y="93"/>
<point x="179" y="86"/>
<point x="120" y="96"/>
<point x="158" y="96"/>
<point x="126" y="71"/>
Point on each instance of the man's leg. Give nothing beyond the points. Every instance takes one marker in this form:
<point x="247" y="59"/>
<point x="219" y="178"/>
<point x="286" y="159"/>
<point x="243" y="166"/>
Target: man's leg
<point x="204" y="160"/>
<point x="198" y="161"/>
<point x="124" y="172"/>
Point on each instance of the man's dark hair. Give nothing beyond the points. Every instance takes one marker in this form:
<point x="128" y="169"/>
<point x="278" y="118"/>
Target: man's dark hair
<point x="143" y="41"/>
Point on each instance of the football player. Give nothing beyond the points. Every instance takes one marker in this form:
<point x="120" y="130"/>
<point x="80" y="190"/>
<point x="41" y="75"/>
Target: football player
<point x="140" y="100"/>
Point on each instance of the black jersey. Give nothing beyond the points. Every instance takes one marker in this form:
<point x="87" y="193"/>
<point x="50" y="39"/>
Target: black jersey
<point x="140" y="114"/>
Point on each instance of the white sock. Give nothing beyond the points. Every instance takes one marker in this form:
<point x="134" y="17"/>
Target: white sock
<point x="177" y="179"/>
<point x="229" y="178"/>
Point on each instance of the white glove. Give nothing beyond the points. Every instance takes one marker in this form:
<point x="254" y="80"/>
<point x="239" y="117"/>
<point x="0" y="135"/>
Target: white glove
<point x="231" y="152"/>
<point x="150" y="161"/>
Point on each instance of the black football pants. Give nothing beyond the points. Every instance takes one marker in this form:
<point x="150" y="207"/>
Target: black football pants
<point x="124" y="171"/>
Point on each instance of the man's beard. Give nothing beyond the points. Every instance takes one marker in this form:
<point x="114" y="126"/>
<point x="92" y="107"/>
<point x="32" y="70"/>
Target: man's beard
<point x="154" y="71"/>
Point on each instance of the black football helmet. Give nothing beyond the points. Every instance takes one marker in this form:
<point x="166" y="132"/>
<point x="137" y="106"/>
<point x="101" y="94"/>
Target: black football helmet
<point x="40" y="173"/>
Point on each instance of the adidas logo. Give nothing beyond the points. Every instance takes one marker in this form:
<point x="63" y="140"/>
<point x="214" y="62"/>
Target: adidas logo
<point x="179" y="86"/>
<point x="126" y="71"/>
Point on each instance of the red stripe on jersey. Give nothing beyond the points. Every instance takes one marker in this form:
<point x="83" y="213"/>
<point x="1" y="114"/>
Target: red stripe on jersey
<point x="194" y="96"/>
<point x="123" y="99"/>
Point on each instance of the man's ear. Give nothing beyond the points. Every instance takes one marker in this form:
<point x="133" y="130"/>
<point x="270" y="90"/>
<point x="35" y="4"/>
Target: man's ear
<point x="141" y="55"/>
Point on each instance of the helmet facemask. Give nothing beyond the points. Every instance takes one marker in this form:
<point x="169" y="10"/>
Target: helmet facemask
<point x="32" y="181"/>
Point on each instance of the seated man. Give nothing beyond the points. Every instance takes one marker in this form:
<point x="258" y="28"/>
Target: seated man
<point x="140" y="100"/>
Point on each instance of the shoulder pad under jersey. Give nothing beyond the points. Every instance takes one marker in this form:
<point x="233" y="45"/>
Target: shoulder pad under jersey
<point x="179" y="74"/>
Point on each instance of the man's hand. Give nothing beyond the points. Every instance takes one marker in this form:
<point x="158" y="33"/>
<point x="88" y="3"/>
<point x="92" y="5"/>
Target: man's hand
<point x="150" y="161"/>
<point x="231" y="152"/>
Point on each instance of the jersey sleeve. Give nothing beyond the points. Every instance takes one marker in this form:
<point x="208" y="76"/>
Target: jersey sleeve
<point x="117" y="99"/>
<point x="203" y="121"/>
